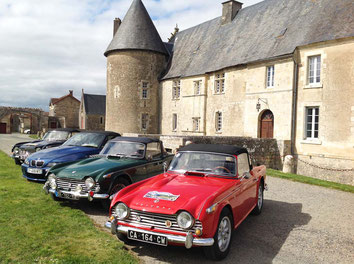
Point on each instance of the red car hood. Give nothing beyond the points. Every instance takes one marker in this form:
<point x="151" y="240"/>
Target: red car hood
<point x="169" y="193"/>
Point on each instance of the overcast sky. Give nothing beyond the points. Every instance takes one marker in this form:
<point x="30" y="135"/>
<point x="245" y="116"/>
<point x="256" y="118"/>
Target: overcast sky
<point x="52" y="46"/>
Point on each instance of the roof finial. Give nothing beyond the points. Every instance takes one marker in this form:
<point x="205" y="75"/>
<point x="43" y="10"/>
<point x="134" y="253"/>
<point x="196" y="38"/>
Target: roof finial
<point x="173" y="35"/>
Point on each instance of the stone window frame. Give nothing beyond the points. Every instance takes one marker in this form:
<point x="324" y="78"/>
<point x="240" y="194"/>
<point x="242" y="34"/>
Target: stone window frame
<point x="218" y="121"/>
<point x="219" y="78"/>
<point x="306" y="68"/>
<point x="144" y="122"/>
<point x="145" y="89"/>
<point x="196" y="124"/>
<point x="197" y="87"/>
<point x="176" y="89"/>
<point x="174" y="122"/>
<point x="270" y="73"/>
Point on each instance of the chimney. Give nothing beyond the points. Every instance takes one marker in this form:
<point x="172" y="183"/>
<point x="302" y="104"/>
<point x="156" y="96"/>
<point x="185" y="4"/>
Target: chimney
<point x="71" y="92"/>
<point x="229" y="11"/>
<point x="116" y="24"/>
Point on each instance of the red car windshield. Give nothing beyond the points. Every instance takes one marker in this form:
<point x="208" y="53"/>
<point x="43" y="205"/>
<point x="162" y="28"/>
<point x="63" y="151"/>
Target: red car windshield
<point x="207" y="163"/>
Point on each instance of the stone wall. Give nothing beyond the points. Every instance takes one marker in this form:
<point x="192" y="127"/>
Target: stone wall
<point x="325" y="168"/>
<point x="269" y="152"/>
<point x="93" y="122"/>
<point x="69" y="109"/>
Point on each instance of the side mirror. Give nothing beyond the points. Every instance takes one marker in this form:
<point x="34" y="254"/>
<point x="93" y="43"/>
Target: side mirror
<point x="164" y="165"/>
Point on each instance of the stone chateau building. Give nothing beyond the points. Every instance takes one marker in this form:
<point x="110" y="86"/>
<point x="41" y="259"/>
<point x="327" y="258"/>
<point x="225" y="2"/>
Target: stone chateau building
<point x="64" y="111"/>
<point x="281" y="69"/>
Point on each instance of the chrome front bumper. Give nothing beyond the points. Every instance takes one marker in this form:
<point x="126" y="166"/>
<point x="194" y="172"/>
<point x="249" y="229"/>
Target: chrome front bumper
<point x="188" y="241"/>
<point x="78" y="195"/>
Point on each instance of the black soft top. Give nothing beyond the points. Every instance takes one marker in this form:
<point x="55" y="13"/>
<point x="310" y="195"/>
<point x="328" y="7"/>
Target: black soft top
<point x="144" y="140"/>
<point x="216" y="148"/>
<point x="108" y="133"/>
<point x="65" y="129"/>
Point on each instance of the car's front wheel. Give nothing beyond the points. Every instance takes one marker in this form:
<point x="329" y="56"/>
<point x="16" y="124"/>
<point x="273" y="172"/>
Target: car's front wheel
<point x="258" y="209"/>
<point x="222" y="237"/>
<point x="117" y="186"/>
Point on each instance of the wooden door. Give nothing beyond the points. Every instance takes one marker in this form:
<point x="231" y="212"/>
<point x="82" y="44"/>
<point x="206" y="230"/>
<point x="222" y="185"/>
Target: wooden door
<point x="2" y="128"/>
<point x="267" y="124"/>
<point x="53" y="124"/>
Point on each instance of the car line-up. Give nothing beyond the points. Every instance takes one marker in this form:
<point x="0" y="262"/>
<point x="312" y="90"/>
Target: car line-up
<point x="53" y="138"/>
<point x="78" y="147"/>
<point x="197" y="198"/>
<point x="123" y="161"/>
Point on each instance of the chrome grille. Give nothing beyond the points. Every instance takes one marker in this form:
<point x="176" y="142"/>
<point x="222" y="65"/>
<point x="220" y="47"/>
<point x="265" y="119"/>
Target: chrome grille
<point x="67" y="184"/>
<point x="157" y="221"/>
<point x="37" y="163"/>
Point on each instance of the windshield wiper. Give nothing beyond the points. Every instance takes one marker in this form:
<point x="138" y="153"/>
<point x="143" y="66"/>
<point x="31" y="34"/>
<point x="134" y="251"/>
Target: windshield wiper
<point x="119" y="155"/>
<point x="206" y="170"/>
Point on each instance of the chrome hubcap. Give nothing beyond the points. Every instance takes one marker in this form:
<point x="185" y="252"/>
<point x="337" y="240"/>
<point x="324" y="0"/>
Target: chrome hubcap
<point x="260" y="197"/>
<point x="224" y="233"/>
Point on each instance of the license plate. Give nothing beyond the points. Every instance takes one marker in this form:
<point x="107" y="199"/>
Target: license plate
<point x="148" y="238"/>
<point x="34" y="171"/>
<point x="66" y="196"/>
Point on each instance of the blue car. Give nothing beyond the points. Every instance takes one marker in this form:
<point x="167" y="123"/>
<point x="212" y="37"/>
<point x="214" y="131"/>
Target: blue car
<point x="78" y="147"/>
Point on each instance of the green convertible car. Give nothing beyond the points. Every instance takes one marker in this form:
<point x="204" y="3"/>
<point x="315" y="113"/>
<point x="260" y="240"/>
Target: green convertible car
<point x="123" y="161"/>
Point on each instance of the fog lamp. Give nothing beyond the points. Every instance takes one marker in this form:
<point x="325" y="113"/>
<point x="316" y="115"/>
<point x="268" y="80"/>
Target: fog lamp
<point x="78" y="188"/>
<point x="198" y="232"/>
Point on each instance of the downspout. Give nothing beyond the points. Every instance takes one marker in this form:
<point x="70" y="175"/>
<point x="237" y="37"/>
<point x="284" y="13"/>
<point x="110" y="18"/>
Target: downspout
<point x="294" y="103"/>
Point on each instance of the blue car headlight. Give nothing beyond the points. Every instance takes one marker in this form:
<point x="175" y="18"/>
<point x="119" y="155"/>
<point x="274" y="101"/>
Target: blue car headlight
<point x="27" y="161"/>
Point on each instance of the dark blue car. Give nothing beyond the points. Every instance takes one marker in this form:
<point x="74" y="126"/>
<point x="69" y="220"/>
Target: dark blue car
<point x="78" y="147"/>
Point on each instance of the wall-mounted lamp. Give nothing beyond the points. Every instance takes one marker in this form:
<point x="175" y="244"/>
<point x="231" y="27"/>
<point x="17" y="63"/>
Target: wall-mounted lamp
<point x="258" y="105"/>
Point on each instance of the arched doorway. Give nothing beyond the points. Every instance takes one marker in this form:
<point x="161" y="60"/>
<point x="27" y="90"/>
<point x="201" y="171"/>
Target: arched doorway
<point x="266" y="124"/>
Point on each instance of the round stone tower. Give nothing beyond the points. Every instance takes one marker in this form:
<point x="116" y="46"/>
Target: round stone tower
<point x="136" y="57"/>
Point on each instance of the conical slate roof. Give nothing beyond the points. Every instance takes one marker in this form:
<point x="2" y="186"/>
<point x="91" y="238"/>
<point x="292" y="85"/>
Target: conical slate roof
<point x="137" y="32"/>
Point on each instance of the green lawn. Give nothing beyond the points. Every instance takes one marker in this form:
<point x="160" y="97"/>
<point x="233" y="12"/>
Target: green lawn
<point x="35" y="229"/>
<point x="309" y="180"/>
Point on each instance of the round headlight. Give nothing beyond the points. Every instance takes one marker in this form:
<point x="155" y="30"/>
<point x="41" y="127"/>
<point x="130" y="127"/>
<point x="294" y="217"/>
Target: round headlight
<point x="16" y="150"/>
<point x="89" y="182"/>
<point x="38" y="149"/>
<point x="52" y="181"/>
<point x="26" y="161"/>
<point x="185" y="220"/>
<point x="121" y="211"/>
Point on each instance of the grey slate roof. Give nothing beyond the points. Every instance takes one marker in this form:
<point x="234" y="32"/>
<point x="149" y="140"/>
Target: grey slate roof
<point x="95" y="104"/>
<point x="255" y="34"/>
<point x="137" y="31"/>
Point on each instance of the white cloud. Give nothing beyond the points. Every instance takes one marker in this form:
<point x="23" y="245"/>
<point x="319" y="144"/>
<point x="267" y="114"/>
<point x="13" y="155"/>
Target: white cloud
<point x="50" y="47"/>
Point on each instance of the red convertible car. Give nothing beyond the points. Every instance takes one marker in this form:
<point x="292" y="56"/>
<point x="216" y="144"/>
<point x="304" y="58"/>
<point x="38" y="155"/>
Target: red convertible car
<point x="207" y="192"/>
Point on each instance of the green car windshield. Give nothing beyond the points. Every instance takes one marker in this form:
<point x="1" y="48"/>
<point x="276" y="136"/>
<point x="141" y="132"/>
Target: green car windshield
<point x="124" y="149"/>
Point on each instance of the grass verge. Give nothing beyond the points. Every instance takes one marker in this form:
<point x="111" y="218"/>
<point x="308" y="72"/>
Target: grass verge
<point x="34" y="136"/>
<point x="35" y="229"/>
<point x="309" y="180"/>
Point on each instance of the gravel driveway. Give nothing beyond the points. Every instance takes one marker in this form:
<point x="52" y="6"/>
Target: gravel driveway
<point x="300" y="223"/>
<point x="8" y="140"/>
